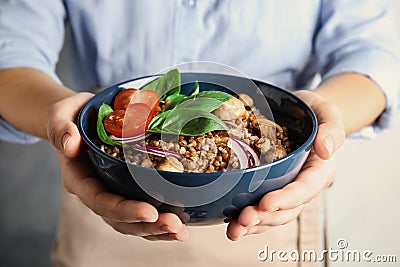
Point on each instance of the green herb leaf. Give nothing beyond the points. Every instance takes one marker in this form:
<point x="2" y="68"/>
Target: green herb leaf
<point x="192" y="122"/>
<point x="222" y="96"/>
<point x="175" y="98"/>
<point x="201" y="103"/>
<point x="159" y="119"/>
<point x="203" y="125"/>
<point x="165" y="85"/>
<point x="187" y="115"/>
<point x="196" y="89"/>
<point x="104" y="110"/>
<point x="206" y="101"/>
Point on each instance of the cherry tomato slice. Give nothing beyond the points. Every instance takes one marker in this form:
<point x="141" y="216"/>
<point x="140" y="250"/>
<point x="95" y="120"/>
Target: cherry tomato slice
<point x="148" y="97"/>
<point x="130" y="122"/>
<point x="123" y="98"/>
<point x="113" y="122"/>
<point x="137" y="119"/>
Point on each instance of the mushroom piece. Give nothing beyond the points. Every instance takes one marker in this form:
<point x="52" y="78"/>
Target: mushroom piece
<point x="269" y="132"/>
<point x="280" y="152"/>
<point x="171" y="164"/>
<point x="146" y="162"/>
<point x="246" y="99"/>
<point x="275" y="153"/>
<point x="232" y="109"/>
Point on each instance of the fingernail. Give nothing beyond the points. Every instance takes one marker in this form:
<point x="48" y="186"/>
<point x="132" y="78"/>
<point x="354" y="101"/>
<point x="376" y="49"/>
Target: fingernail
<point x="183" y="236"/>
<point x="165" y="228"/>
<point x="147" y="219"/>
<point x="65" y="140"/>
<point x="328" y="143"/>
<point x="256" y="222"/>
<point x="244" y="232"/>
<point x="186" y="236"/>
<point x="274" y="208"/>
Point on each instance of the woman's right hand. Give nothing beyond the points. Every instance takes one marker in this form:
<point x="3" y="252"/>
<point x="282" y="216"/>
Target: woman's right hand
<point x="79" y="178"/>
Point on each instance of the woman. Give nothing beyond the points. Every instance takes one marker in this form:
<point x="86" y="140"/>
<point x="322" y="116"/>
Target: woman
<point x="351" y="44"/>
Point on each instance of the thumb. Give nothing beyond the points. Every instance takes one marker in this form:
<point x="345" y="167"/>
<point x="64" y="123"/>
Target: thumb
<point x="61" y="128"/>
<point x="331" y="132"/>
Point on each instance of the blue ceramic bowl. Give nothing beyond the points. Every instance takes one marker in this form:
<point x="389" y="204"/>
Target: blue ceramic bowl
<point x="249" y="184"/>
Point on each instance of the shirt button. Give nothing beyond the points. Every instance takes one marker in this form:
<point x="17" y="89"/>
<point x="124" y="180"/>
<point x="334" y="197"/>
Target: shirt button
<point x="189" y="3"/>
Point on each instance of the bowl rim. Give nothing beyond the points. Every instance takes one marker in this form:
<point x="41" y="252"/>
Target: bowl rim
<point x="306" y="146"/>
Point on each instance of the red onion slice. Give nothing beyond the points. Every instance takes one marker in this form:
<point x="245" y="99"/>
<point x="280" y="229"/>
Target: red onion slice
<point x="240" y="153"/>
<point x="252" y="152"/>
<point x="156" y="151"/>
<point x="132" y="139"/>
<point x="166" y="152"/>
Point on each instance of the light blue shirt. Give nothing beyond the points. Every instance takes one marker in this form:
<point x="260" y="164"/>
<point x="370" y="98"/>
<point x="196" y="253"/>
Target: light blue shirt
<point x="283" y="42"/>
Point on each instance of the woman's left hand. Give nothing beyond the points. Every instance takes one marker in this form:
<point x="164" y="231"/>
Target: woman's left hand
<point x="284" y="205"/>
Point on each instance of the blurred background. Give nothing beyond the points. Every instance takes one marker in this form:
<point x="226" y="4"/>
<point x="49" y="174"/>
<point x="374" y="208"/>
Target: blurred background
<point x="362" y="203"/>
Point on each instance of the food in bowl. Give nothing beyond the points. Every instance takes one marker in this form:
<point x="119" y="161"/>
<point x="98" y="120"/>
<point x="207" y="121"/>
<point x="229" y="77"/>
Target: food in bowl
<point x="204" y="198"/>
<point x="200" y="132"/>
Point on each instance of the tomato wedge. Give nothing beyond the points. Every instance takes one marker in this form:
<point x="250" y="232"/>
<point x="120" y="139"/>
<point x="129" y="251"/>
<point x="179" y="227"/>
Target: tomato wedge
<point x="148" y="97"/>
<point x="123" y="98"/>
<point x="114" y="122"/>
<point x="130" y="122"/>
<point x="132" y="95"/>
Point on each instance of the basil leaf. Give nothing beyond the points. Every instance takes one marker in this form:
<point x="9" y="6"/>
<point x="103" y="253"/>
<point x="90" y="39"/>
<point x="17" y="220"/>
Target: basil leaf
<point x="222" y="96"/>
<point x="159" y="119"/>
<point x="187" y="115"/>
<point x="104" y="110"/>
<point x="175" y="98"/>
<point x="192" y="122"/>
<point x="196" y="89"/>
<point x="206" y="100"/>
<point x="202" y="103"/>
<point x="179" y="97"/>
<point x="200" y="126"/>
<point x="165" y="85"/>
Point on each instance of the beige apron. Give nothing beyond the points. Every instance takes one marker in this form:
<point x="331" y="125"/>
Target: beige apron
<point x="84" y="240"/>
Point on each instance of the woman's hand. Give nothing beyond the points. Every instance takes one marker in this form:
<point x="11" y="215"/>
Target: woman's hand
<point x="284" y="205"/>
<point x="125" y="216"/>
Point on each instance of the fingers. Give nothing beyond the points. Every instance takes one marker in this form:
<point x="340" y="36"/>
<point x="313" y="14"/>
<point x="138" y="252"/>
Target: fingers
<point x="169" y="237"/>
<point x="61" y="129"/>
<point x="167" y="227"/>
<point x="123" y="210"/>
<point x="284" y="205"/>
<point x="254" y="221"/>
<point x="252" y="216"/>
<point x="77" y="175"/>
<point x="115" y="207"/>
<point x="126" y="216"/>
<point x="93" y="194"/>
<point x="234" y="230"/>
<point x="331" y="132"/>
<point x="315" y="175"/>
